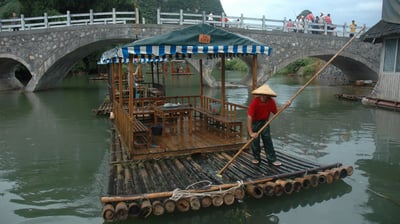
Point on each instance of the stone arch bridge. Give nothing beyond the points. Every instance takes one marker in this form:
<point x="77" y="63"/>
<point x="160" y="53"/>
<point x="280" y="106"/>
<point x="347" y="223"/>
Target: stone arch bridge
<point x="49" y="54"/>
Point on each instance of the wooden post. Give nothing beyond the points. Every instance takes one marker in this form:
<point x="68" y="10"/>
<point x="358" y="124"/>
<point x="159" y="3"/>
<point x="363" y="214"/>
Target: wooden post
<point x="131" y="91"/>
<point x="223" y="84"/>
<point x="113" y="83"/>
<point x="131" y="86"/>
<point x="201" y="82"/>
<point x="121" y="100"/>
<point x="152" y="73"/>
<point x="254" y="83"/>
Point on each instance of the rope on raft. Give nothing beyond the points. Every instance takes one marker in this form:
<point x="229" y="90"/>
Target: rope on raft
<point x="179" y="193"/>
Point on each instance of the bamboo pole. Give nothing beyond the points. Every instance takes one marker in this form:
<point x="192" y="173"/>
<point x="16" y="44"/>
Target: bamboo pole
<point x="287" y="104"/>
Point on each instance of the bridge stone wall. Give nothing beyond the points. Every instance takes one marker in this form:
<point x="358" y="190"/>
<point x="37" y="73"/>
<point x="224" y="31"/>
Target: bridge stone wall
<point x="49" y="54"/>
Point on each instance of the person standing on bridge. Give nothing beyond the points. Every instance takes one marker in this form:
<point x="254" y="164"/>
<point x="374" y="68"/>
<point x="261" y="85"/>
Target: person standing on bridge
<point x="353" y="27"/>
<point x="211" y="19"/>
<point x="261" y="106"/>
<point x="15" y="22"/>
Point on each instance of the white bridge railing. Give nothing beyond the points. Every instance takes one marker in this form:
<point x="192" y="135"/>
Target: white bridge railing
<point x="91" y="18"/>
<point x="251" y="23"/>
<point x="179" y="18"/>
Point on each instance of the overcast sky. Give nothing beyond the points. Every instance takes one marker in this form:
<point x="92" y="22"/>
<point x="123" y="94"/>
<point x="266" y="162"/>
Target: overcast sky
<point x="366" y="12"/>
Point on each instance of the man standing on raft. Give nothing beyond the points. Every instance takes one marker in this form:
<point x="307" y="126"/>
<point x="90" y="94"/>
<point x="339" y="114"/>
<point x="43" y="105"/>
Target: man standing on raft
<point x="261" y="106"/>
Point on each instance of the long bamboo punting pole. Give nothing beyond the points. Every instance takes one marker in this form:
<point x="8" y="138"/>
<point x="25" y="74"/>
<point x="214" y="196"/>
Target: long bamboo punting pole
<point x="215" y="187"/>
<point x="287" y="104"/>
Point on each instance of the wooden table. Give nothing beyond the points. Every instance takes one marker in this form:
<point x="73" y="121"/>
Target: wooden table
<point x="175" y="112"/>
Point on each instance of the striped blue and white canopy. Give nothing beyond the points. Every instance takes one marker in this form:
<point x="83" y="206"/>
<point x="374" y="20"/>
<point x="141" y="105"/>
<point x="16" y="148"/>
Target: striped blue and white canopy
<point x="163" y="51"/>
<point x="185" y="43"/>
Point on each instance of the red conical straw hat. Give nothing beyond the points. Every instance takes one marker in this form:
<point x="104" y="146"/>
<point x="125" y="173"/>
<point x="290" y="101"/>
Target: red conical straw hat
<point x="264" y="90"/>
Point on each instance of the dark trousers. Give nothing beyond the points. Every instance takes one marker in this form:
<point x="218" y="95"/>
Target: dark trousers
<point x="267" y="141"/>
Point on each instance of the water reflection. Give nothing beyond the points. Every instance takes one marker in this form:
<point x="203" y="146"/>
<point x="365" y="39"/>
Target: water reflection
<point x="382" y="170"/>
<point x="51" y="151"/>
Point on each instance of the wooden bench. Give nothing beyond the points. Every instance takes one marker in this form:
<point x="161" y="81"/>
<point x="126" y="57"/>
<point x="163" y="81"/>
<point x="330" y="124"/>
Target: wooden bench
<point x="141" y="134"/>
<point x="231" y="127"/>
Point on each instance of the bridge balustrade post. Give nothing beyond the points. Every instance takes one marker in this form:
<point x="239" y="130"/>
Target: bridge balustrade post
<point x="46" y="20"/>
<point x="158" y="16"/>
<point x="114" y="16"/>
<point x="204" y="17"/>
<point x="181" y="17"/>
<point x="325" y="28"/>
<point x="241" y="20"/>
<point x="68" y="18"/>
<point x="344" y="29"/>
<point x="22" y="22"/>
<point x="0" y="25"/>
<point x="263" y="23"/>
<point x="285" y="28"/>
<point x="306" y="24"/>
<point x="91" y="16"/>
<point x="137" y="16"/>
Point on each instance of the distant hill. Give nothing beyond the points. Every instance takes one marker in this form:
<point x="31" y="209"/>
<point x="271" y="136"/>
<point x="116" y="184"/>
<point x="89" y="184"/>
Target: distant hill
<point x="147" y="8"/>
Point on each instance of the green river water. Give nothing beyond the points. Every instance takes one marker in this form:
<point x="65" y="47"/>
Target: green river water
<point x="54" y="155"/>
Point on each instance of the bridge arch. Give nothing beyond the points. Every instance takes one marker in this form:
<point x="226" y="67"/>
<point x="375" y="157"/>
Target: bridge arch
<point x="353" y="66"/>
<point x="8" y="67"/>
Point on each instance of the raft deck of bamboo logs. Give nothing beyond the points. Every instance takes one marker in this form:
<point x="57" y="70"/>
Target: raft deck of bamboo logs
<point x="104" y="109"/>
<point x="165" y="184"/>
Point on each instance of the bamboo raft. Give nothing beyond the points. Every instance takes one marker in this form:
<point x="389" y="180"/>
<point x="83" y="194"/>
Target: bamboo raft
<point x="183" y="171"/>
<point x="348" y="97"/>
<point x="104" y="109"/>
<point x="182" y="183"/>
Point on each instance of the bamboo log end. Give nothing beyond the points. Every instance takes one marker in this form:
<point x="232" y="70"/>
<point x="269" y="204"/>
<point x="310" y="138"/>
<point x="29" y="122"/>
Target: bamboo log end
<point x="269" y="188"/>
<point x="169" y="205"/>
<point x="121" y="211"/>
<point x="195" y="203"/>
<point x="217" y="200"/>
<point x="229" y="198"/>
<point x="206" y="201"/>
<point x="183" y="205"/>
<point x="239" y="193"/>
<point x="133" y="209"/>
<point x="158" y="208"/>
<point x="108" y="213"/>
<point x="145" y="209"/>
<point x="255" y="191"/>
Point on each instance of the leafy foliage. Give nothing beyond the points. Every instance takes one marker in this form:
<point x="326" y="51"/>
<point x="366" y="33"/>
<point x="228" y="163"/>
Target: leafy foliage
<point x="308" y="66"/>
<point x="147" y="8"/>
<point x="236" y="65"/>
